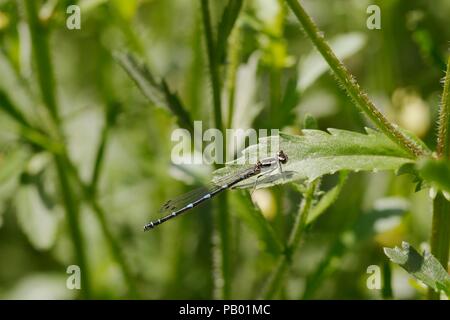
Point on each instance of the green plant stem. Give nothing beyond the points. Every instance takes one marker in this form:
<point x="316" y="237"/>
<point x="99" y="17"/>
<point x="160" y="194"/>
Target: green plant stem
<point x="33" y="136"/>
<point x="115" y="248"/>
<point x="386" y="291"/>
<point x="46" y="81"/>
<point x="440" y="228"/>
<point x="27" y="131"/>
<point x="443" y="148"/>
<point x="90" y="192"/>
<point x="275" y="280"/>
<point x="221" y="249"/>
<point x="275" y="93"/>
<point x="213" y="65"/>
<point x="12" y="111"/>
<point x="41" y="55"/>
<point x="99" y="158"/>
<point x="234" y="53"/>
<point x="350" y="84"/>
<point x="72" y="213"/>
<point x="90" y="196"/>
<point x="440" y="234"/>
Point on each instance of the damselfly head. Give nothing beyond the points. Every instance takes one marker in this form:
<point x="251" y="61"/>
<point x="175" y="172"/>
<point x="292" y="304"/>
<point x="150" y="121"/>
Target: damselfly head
<point x="282" y="157"/>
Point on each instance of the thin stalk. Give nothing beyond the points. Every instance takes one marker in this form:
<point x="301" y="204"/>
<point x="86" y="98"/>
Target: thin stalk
<point x="221" y="249"/>
<point x="90" y="194"/>
<point x="440" y="228"/>
<point x="195" y="74"/>
<point x="98" y="164"/>
<point x="275" y="93"/>
<point x="72" y="212"/>
<point x="275" y="280"/>
<point x="443" y="148"/>
<point x="213" y="65"/>
<point x="349" y="83"/>
<point x="234" y="53"/>
<point x="440" y="235"/>
<point x="41" y="54"/>
<point x="32" y="135"/>
<point x="386" y="291"/>
<point x="27" y="131"/>
<point x="114" y="247"/>
<point x="12" y="111"/>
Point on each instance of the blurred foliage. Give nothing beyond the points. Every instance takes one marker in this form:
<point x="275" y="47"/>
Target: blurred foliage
<point x="89" y="142"/>
<point x="425" y="268"/>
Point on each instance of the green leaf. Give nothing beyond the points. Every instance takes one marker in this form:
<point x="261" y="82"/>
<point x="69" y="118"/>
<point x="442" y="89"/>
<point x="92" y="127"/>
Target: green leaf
<point x="11" y="110"/>
<point x="425" y="268"/>
<point x="36" y="219"/>
<point x="12" y="163"/>
<point x="227" y="21"/>
<point x="37" y="214"/>
<point x="436" y="172"/>
<point x="157" y="92"/>
<point x="285" y="116"/>
<point x="411" y="169"/>
<point x="253" y="218"/>
<point x="317" y="153"/>
<point x="246" y="107"/>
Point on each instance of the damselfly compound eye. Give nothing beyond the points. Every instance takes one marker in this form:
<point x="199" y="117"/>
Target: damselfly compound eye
<point x="282" y="157"/>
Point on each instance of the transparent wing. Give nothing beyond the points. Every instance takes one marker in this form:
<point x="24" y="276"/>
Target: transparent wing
<point x="183" y="200"/>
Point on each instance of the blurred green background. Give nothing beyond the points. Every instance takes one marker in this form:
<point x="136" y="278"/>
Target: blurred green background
<point x="276" y="78"/>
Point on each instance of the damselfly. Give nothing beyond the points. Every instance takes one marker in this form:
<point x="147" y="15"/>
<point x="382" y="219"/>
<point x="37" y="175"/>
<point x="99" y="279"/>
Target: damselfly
<point x="191" y="199"/>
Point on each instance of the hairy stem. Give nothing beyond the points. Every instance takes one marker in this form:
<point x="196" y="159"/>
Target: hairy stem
<point x="440" y="234"/>
<point x="443" y="147"/>
<point x="222" y="234"/>
<point x="440" y="228"/>
<point x="275" y="280"/>
<point x="349" y="83"/>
